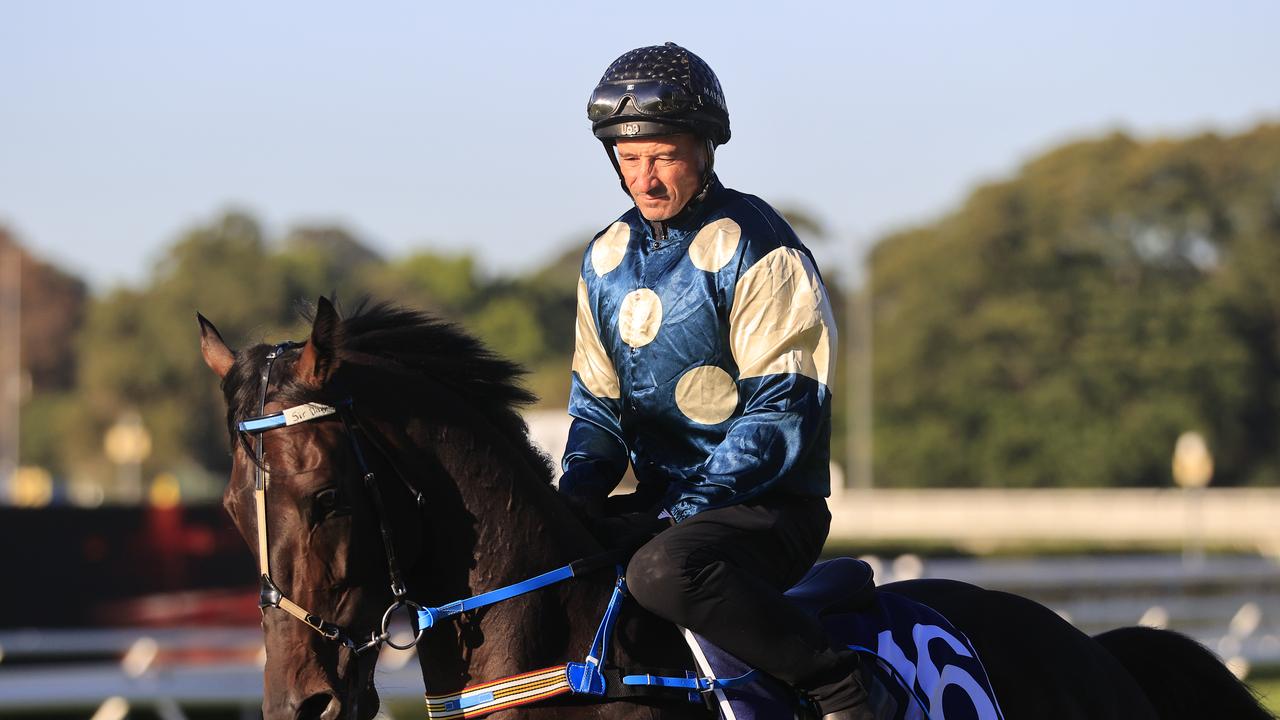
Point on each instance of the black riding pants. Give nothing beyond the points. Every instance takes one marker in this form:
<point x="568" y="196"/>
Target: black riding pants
<point x="721" y="574"/>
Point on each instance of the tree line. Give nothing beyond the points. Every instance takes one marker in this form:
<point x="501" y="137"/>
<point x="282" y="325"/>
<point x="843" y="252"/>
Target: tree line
<point x="135" y="348"/>
<point x="1064" y="326"/>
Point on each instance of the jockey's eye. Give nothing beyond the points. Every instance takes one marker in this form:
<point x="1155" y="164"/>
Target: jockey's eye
<point x="327" y="503"/>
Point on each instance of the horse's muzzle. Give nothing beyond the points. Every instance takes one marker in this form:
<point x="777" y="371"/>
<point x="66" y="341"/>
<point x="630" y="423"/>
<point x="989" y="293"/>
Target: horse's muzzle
<point x="328" y="706"/>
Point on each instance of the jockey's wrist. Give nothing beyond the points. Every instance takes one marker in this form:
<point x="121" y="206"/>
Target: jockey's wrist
<point x="584" y="506"/>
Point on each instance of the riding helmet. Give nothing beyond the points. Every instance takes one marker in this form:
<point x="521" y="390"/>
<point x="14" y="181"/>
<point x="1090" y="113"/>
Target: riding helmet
<point x="658" y="90"/>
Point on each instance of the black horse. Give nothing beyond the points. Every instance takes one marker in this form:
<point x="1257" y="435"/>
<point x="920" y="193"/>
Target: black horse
<point x="402" y="475"/>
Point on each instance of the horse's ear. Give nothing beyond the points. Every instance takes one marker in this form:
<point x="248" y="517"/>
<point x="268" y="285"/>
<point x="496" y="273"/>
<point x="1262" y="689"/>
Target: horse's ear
<point x="216" y="354"/>
<point x="319" y="356"/>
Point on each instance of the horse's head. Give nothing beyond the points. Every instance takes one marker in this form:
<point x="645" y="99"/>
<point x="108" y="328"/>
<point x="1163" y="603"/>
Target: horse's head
<point x="316" y="497"/>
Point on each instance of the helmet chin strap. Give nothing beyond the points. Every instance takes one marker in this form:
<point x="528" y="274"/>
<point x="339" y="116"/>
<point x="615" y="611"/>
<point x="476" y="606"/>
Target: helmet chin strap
<point x="610" y="150"/>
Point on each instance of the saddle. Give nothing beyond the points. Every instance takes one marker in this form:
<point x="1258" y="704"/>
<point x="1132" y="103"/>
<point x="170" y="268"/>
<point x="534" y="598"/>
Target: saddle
<point x="917" y="664"/>
<point x="840" y="585"/>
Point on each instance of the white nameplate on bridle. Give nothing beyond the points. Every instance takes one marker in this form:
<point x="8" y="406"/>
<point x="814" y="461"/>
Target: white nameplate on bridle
<point x="303" y="413"/>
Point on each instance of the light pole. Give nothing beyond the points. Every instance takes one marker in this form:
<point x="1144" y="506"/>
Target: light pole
<point x="127" y="444"/>
<point x="10" y="364"/>
<point x="1192" y="471"/>
<point x="858" y="392"/>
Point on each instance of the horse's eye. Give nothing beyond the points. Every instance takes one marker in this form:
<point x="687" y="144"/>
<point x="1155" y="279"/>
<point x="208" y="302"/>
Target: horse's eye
<point x="326" y="504"/>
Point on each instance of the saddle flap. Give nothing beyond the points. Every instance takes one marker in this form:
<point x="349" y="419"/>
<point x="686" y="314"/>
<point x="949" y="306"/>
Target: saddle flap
<point x="838" y="585"/>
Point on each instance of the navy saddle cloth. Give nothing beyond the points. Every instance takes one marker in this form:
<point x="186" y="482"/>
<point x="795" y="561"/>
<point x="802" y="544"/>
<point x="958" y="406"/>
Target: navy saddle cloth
<point x="921" y="666"/>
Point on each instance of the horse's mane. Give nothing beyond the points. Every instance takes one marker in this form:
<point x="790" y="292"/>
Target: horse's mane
<point x="392" y="349"/>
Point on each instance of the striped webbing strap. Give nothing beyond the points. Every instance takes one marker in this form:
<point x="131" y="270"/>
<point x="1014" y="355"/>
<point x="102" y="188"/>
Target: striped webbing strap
<point x="500" y="694"/>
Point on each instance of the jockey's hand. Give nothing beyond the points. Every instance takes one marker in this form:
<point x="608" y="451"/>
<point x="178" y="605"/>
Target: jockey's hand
<point x="627" y="531"/>
<point x="646" y="498"/>
<point x="618" y="522"/>
<point x="586" y="509"/>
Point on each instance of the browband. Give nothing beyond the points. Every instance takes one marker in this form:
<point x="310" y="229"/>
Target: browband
<point x="288" y="416"/>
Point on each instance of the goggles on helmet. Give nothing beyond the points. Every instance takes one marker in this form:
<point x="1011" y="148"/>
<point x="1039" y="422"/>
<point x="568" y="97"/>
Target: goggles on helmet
<point x="654" y="98"/>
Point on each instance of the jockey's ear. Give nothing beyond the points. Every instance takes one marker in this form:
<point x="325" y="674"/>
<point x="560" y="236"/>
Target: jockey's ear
<point x="319" y="355"/>
<point x="216" y="354"/>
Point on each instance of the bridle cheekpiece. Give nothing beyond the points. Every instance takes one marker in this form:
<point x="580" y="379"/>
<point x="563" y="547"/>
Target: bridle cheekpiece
<point x="270" y="594"/>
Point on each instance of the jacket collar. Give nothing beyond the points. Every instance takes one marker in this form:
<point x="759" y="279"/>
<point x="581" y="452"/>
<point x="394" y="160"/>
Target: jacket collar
<point x="689" y="218"/>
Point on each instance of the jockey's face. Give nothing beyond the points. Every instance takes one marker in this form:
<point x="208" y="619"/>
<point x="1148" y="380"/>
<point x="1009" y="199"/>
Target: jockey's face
<point x="662" y="174"/>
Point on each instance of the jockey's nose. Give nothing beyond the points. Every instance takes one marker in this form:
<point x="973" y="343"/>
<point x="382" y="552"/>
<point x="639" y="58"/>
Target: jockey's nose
<point x="646" y="181"/>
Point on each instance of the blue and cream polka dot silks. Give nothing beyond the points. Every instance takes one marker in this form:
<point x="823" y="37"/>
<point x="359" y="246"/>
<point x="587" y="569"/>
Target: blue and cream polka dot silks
<point x="705" y="359"/>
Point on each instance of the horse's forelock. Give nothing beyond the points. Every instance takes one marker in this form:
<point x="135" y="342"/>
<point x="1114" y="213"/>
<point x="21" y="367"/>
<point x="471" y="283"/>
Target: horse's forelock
<point x="400" y="344"/>
<point x="241" y="387"/>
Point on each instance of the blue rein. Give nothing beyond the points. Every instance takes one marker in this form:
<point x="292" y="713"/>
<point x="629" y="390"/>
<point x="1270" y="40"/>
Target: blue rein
<point x="428" y="617"/>
<point x="585" y="678"/>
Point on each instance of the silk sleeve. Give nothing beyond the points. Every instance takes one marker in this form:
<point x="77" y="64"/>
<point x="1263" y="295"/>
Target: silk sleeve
<point x="595" y="455"/>
<point x="783" y="337"/>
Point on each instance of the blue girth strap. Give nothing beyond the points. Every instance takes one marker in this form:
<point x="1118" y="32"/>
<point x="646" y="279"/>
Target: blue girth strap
<point x="585" y="677"/>
<point x="696" y="684"/>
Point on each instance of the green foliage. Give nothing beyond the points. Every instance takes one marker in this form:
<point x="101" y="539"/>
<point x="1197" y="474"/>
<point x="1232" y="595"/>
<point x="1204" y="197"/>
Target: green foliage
<point x="510" y="325"/>
<point x="1063" y="328"/>
<point x="442" y="284"/>
<point x="137" y="349"/>
<point x="45" y="418"/>
<point x="324" y="257"/>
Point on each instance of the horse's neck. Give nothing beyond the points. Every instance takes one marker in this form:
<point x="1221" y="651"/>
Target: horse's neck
<point x="495" y="523"/>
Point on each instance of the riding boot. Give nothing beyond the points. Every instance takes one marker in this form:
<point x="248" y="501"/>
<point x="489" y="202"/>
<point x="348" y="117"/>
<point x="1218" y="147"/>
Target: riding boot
<point x="845" y="698"/>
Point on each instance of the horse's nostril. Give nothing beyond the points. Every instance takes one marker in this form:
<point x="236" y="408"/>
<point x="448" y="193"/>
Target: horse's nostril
<point x="315" y="706"/>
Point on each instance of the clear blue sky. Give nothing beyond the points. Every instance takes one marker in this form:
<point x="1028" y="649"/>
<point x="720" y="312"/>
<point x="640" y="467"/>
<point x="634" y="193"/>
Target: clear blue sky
<point x="461" y="126"/>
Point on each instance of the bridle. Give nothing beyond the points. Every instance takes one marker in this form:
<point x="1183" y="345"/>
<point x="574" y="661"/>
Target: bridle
<point x="587" y="678"/>
<point x="270" y="594"/>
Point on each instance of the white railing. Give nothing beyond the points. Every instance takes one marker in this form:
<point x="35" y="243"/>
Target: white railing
<point x="1232" y="604"/>
<point x="1248" y="518"/>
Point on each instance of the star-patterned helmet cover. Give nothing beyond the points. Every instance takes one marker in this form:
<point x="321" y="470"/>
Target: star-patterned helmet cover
<point x="659" y="90"/>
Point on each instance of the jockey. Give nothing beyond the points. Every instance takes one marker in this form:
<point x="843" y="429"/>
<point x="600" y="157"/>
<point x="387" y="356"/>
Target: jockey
<point x="704" y="355"/>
